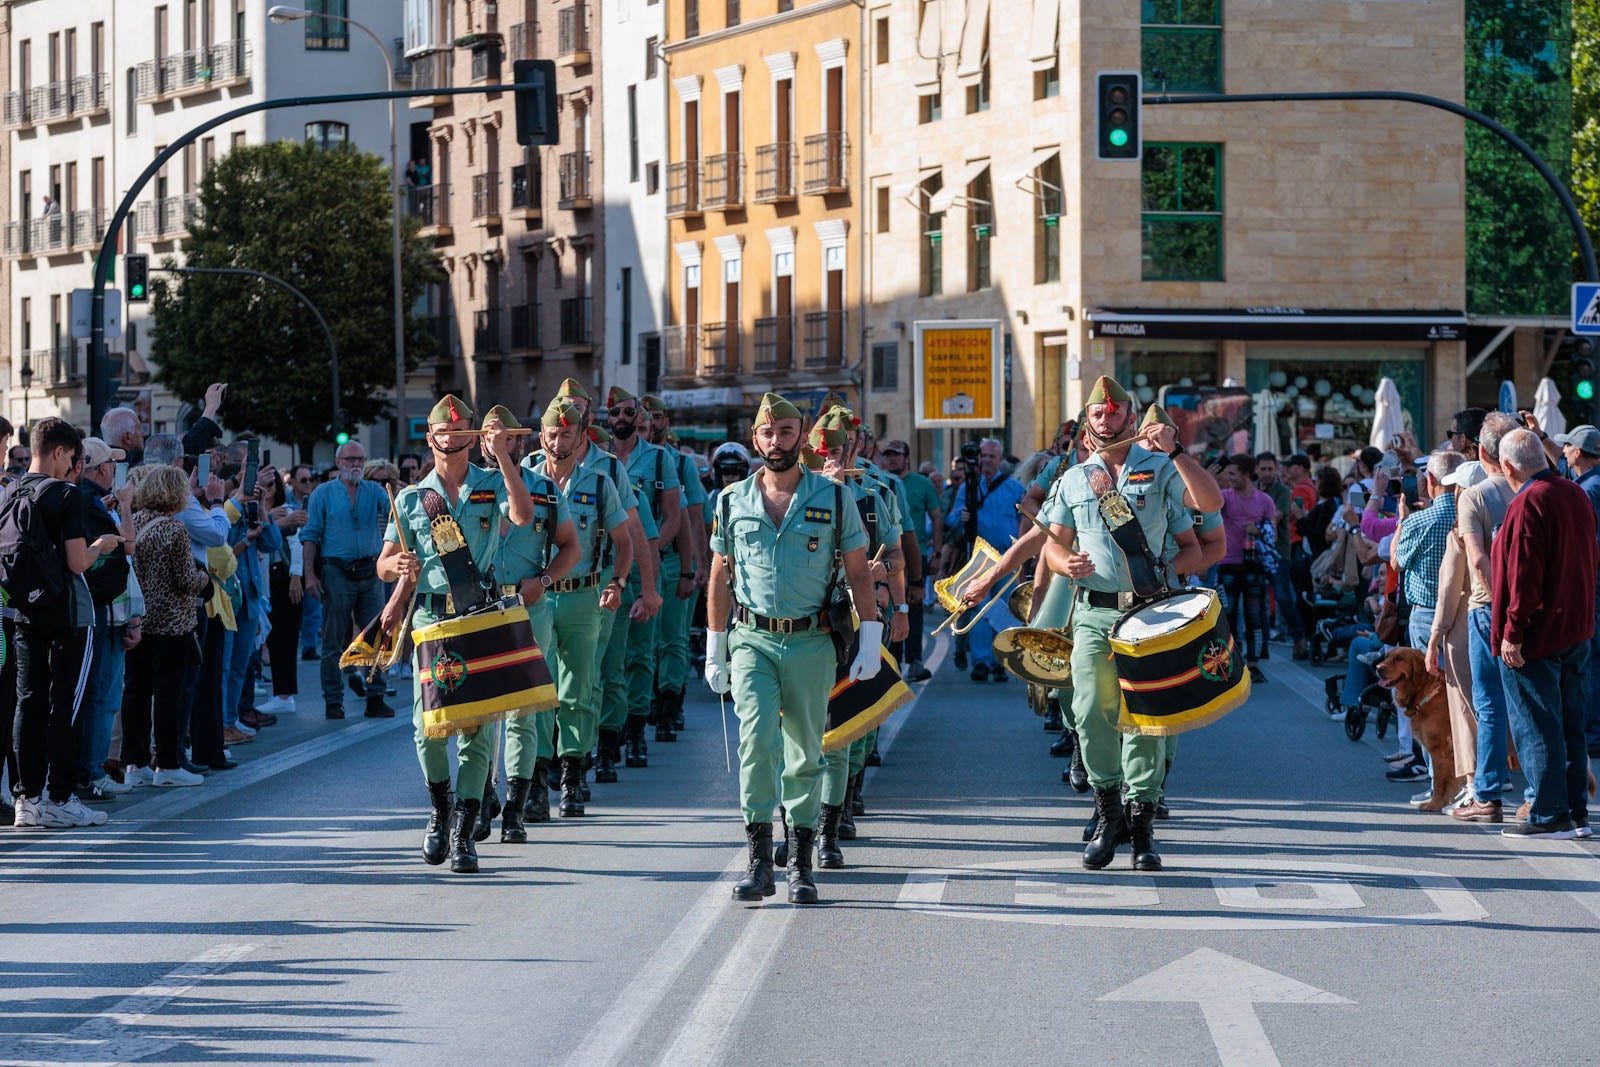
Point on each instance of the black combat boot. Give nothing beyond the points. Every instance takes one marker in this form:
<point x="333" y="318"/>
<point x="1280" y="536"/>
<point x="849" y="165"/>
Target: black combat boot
<point x="488" y="811"/>
<point x="829" y="856"/>
<point x="677" y="709"/>
<point x="552" y="774"/>
<point x="780" y="851"/>
<point x="1052" y="714"/>
<point x="1113" y="825"/>
<point x="1161" y="805"/>
<point x="847" y="820"/>
<point x="757" y="882"/>
<point x="537" y="807"/>
<point x="436" y="838"/>
<point x="583" y="779"/>
<point x="605" y="771"/>
<point x="664" y="731"/>
<point x="857" y="782"/>
<point x="1064" y="746"/>
<point x="1077" y="774"/>
<point x="1141" y="818"/>
<point x="463" y="853"/>
<point x="802" y="888"/>
<point x="873" y="758"/>
<point x="635" y="739"/>
<point x="571" y="787"/>
<point x="517" y="791"/>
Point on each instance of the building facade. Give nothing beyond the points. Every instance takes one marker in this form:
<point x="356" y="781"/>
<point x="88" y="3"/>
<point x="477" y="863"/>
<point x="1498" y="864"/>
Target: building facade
<point x="763" y="190"/>
<point x="95" y="91"/>
<point x="518" y="230"/>
<point x="1311" y="249"/>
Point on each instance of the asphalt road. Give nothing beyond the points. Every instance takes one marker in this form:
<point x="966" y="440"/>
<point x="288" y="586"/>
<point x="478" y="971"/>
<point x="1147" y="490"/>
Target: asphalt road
<point x="281" y="913"/>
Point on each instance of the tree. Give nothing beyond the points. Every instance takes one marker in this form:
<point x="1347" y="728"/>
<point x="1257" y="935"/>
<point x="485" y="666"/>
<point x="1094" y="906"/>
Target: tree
<point x="318" y="218"/>
<point x="1586" y="110"/>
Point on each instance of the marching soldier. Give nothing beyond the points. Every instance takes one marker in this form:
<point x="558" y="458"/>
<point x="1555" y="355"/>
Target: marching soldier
<point x="683" y="574"/>
<point x="533" y="560"/>
<point x="781" y="537"/>
<point x="590" y="595"/>
<point x="470" y="501"/>
<point x="1113" y="563"/>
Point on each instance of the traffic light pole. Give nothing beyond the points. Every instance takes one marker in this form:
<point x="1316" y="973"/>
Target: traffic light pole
<point x="99" y="361"/>
<point x="333" y="352"/>
<point x="1585" y="245"/>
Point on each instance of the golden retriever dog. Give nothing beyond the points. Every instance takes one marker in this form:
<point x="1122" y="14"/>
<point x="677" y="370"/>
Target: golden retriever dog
<point x="1421" y="697"/>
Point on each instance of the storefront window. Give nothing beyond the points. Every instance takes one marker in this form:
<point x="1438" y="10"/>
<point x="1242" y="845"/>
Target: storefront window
<point x="1326" y="393"/>
<point x="1145" y="366"/>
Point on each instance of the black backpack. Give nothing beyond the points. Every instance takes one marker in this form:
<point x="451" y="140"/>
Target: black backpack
<point x="32" y="570"/>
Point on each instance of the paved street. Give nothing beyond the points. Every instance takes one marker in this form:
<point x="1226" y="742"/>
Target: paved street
<point x="281" y="913"/>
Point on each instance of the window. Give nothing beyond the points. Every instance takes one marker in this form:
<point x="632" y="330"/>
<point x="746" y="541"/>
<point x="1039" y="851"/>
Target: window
<point x="652" y="179"/>
<point x="880" y="37"/>
<point x="128" y="99"/>
<point x="883" y="209"/>
<point x="930" y="108"/>
<point x="1183" y="38"/>
<point x="633" y="133"/>
<point x="1050" y="202"/>
<point x="691" y="18"/>
<point x="237" y="140"/>
<point x="626" y="286"/>
<point x="886" y="367"/>
<point x="97" y="47"/>
<point x="208" y="154"/>
<point x="733" y="12"/>
<point x="978" y="94"/>
<point x="327" y="134"/>
<point x="980" y="232"/>
<point x="932" y="241"/>
<point x="1047" y="83"/>
<point x="324" y="31"/>
<point x="1182" y="216"/>
<point x="650" y="59"/>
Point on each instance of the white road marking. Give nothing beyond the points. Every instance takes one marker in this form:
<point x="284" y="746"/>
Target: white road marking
<point x="727" y="996"/>
<point x="1226" y="990"/>
<point x="1567" y="864"/>
<point x="110" y="1038"/>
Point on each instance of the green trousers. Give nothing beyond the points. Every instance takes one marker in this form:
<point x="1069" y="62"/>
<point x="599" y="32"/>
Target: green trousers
<point x="608" y="620"/>
<point x="629" y="665"/>
<point x="843" y="764"/>
<point x="528" y="736"/>
<point x="573" y="663"/>
<point x="780" y="756"/>
<point x="1110" y="756"/>
<point x="672" y="629"/>
<point x="474" y="751"/>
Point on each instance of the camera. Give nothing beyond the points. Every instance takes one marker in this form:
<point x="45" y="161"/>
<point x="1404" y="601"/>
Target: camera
<point x="969" y="451"/>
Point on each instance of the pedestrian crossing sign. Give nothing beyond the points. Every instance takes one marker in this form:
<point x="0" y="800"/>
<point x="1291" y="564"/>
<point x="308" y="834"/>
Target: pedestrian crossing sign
<point x="1586" y="309"/>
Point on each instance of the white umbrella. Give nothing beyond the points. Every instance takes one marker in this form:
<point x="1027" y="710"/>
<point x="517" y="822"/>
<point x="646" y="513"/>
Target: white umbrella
<point x="1265" y="405"/>
<point x="1389" y="418"/>
<point x="1547" y="408"/>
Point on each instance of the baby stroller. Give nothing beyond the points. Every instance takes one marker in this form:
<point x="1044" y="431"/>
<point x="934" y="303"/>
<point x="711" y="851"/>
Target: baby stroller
<point x="1374" y="698"/>
<point x="1331" y="614"/>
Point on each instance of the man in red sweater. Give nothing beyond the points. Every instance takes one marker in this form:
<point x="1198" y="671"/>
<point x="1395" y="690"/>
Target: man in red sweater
<point x="1544" y="563"/>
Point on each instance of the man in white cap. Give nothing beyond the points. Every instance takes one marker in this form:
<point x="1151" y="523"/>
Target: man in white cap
<point x="1580" y="447"/>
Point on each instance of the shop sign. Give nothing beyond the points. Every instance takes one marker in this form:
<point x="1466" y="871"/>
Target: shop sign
<point x="1279" y="323"/>
<point x="959" y="374"/>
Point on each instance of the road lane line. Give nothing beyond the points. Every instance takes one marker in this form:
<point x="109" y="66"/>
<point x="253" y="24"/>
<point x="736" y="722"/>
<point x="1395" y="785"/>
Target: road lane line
<point x="110" y="1038"/>
<point x="728" y="994"/>
<point x="1566" y="864"/>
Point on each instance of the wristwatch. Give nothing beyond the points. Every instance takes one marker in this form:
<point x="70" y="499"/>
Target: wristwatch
<point x="902" y="609"/>
<point x="545" y="580"/>
<point x="1177" y="450"/>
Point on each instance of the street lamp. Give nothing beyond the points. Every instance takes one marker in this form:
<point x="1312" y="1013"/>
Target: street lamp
<point x="26" y="376"/>
<point x="282" y="14"/>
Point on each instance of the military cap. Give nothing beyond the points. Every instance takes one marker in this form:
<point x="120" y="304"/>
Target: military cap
<point x="1107" y="391"/>
<point x="617" y="395"/>
<point x="829" y="440"/>
<point x="651" y="402"/>
<point x="1156" y="413"/>
<point x="450" y="408"/>
<point x="561" y="412"/>
<point x="774" y="408"/>
<point x="812" y="459"/>
<point x="503" y="413"/>
<point x="599" y="435"/>
<point x="572" y="387"/>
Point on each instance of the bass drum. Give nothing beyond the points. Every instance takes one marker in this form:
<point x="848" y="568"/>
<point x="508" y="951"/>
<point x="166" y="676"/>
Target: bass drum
<point x="1177" y="664"/>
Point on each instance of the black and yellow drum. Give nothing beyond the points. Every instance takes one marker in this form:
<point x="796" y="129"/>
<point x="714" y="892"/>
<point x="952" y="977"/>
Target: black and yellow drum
<point x="1177" y="664"/>
<point x="481" y="668"/>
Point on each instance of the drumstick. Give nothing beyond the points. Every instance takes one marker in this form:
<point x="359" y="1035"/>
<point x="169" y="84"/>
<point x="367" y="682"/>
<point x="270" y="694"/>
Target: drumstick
<point x="1034" y="518"/>
<point x="514" y="431"/>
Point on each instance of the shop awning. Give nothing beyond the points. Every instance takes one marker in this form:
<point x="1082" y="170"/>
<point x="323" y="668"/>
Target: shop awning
<point x="1278" y="324"/>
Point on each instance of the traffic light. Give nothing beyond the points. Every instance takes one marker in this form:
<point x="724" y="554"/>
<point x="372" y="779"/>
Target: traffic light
<point x="1583" y="374"/>
<point x="536" y="107"/>
<point x="1117" y="115"/>
<point x="138" y="273"/>
<point x="341" y="438"/>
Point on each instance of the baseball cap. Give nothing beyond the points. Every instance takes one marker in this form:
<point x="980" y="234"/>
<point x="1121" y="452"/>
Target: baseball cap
<point x="897" y="447"/>
<point x="1466" y="475"/>
<point x="1585" y="438"/>
<point x="96" y="452"/>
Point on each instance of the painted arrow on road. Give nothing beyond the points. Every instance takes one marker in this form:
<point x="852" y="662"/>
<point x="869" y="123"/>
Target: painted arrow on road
<point x="1227" y="990"/>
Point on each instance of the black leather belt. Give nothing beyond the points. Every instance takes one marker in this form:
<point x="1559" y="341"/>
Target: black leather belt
<point x="1096" y="599"/>
<point x="436" y="603"/>
<point x="773" y="626"/>
<point x="569" y="585"/>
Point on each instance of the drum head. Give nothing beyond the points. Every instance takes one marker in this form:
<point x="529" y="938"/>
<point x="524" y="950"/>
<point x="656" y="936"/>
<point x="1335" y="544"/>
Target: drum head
<point x="1043" y="657"/>
<point x="1165" y="616"/>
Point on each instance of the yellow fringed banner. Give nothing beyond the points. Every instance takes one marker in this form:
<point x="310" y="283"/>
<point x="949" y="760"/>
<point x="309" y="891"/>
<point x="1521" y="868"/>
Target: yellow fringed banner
<point x="480" y="668"/>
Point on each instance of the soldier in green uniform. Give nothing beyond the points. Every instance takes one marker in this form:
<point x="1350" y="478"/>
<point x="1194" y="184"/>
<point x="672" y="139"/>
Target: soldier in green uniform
<point x="532" y="560"/>
<point x="777" y="547"/>
<point x="630" y="657"/>
<point x="1112" y="565"/>
<point x="477" y="499"/>
<point x="590" y="594"/>
<point x="683" y="574"/>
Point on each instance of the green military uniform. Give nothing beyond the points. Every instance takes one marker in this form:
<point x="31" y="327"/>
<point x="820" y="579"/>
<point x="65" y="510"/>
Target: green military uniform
<point x="672" y="641"/>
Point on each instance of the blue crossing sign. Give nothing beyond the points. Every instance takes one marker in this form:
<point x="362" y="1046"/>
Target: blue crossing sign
<point x="1586" y="309"/>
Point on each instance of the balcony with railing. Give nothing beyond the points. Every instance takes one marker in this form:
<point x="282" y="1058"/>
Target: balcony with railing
<point x="486" y="333"/>
<point x="431" y="70"/>
<point x="49" y="234"/>
<point x="827" y="163"/>
<point x="51" y="102"/>
<point x="523" y="41"/>
<point x="683" y="189"/>
<point x="430" y="205"/>
<point x="719" y="349"/>
<point x="486" y="60"/>
<point x="775" y="167"/>
<point x="575" y="192"/>
<point x="525" y="192"/>
<point x="680" y="353"/>
<point x="572" y="36"/>
<point x="401" y="61"/>
<point x="87" y="227"/>
<point x="91" y="94"/>
<point x="525" y="328"/>
<point x="18" y="238"/>
<point x="577" y="323"/>
<point x="197" y="70"/>
<point x="486" y="199"/>
<point x="18" y="110"/>
<point x="57" y="368"/>
<point x="824" y="338"/>
<point x="722" y="182"/>
<point x="774" y="348"/>
<point x="441" y="332"/>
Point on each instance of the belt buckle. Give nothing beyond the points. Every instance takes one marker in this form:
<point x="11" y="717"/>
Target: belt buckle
<point x="508" y="590"/>
<point x="1124" y="600"/>
<point x="449" y="604"/>
<point x="785" y="626"/>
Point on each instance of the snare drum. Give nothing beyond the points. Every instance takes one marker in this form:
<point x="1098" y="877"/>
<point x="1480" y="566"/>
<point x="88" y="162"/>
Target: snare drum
<point x="1177" y="664"/>
<point x="480" y="668"/>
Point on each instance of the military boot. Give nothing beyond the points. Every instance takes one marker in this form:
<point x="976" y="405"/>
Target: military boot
<point x="552" y="774"/>
<point x="666" y="717"/>
<point x="802" y="888"/>
<point x="635" y="739"/>
<point x="858" y="782"/>
<point x="1077" y="774"/>
<point x="605" y="771"/>
<point x="1141" y="819"/>
<point x="436" y="838"/>
<point x="537" y="808"/>
<point x="847" y="821"/>
<point x="1064" y="745"/>
<point x="517" y="790"/>
<point x="677" y="709"/>
<point x="757" y="882"/>
<point x="780" y="850"/>
<point x="571" y="787"/>
<point x="488" y="811"/>
<point x="463" y="853"/>
<point x="1112" y="817"/>
<point x="829" y="856"/>
<point x="1161" y="805"/>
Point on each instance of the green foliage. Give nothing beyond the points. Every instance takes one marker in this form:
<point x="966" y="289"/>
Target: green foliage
<point x="320" y="219"/>
<point x="1519" y="243"/>
<point x="1586" y="111"/>
<point x="1180" y="179"/>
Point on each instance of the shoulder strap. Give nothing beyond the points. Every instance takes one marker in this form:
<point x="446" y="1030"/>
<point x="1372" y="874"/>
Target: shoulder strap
<point x="660" y="457"/>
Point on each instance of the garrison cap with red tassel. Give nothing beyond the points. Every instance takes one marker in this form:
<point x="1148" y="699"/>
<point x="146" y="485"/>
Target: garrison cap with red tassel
<point x="450" y="408"/>
<point x="1109" y="392"/>
<point x="572" y="387"/>
<point x="561" y="412"/>
<point x="503" y="413"/>
<point x="652" y="403"/>
<point x="775" y="408"/>
<point x="1153" y="414"/>
<point x="618" y="395"/>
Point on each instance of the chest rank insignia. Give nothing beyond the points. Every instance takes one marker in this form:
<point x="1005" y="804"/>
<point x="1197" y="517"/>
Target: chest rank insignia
<point x="812" y="543"/>
<point x="1141" y="477"/>
<point x="583" y="498"/>
<point x="819" y="515"/>
<point x="481" y="496"/>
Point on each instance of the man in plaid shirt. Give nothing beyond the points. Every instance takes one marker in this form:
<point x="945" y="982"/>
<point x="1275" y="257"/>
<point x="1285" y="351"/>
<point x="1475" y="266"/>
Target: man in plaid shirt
<point x="1420" y="543"/>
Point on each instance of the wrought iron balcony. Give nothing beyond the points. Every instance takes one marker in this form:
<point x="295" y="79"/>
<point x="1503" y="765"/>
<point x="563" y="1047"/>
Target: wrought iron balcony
<point x="774" y="345"/>
<point x="486" y="60"/>
<point x="88" y="227"/>
<point x="572" y="36"/>
<point x="524" y="40"/>
<point x="431" y="70"/>
<point x="196" y="70"/>
<point x="18" y="238"/>
<point x="52" y="101"/>
<point x="575" y="192"/>
<point x="49" y="234"/>
<point x="91" y="94"/>
<point x="775" y="167"/>
<point x="486" y="332"/>
<point x="680" y="353"/>
<point x="525" y="327"/>
<point x="683" y="189"/>
<point x="722" y="182"/>
<point x="825" y="339"/>
<point x="430" y="205"/>
<point x="719" y="351"/>
<point x="486" y="199"/>
<point x="827" y="163"/>
<point x="577" y="327"/>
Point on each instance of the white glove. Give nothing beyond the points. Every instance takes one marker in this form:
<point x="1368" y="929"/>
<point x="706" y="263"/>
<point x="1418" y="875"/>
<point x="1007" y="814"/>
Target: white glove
<point x="717" y="662"/>
<point x="869" y="658"/>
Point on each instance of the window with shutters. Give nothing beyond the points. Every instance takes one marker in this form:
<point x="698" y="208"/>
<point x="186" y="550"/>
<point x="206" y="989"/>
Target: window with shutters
<point x="885" y="367"/>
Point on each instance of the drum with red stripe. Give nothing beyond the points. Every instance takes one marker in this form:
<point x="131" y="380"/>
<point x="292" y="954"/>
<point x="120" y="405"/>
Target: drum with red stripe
<point x="480" y="668"/>
<point x="1177" y="664"/>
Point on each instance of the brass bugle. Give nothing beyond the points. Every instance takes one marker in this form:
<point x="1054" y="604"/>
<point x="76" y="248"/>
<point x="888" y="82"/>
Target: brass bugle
<point x="999" y="594"/>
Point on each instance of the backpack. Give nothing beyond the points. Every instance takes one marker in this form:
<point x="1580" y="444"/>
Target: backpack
<point x="32" y="569"/>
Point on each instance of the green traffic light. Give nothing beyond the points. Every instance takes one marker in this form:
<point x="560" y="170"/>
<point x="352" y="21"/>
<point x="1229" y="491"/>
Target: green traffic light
<point x="1585" y="390"/>
<point x="136" y="291"/>
<point x="342" y="438"/>
<point x="1119" y="138"/>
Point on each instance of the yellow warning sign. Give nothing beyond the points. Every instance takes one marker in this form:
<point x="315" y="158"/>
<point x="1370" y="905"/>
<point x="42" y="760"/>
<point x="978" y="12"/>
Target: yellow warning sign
<point x="958" y="373"/>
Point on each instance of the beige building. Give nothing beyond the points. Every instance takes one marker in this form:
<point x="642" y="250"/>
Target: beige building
<point x="1320" y="244"/>
<point x="517" y="229"/>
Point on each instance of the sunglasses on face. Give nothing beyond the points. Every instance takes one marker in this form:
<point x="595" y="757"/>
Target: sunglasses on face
<point x="626" y="413"/>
